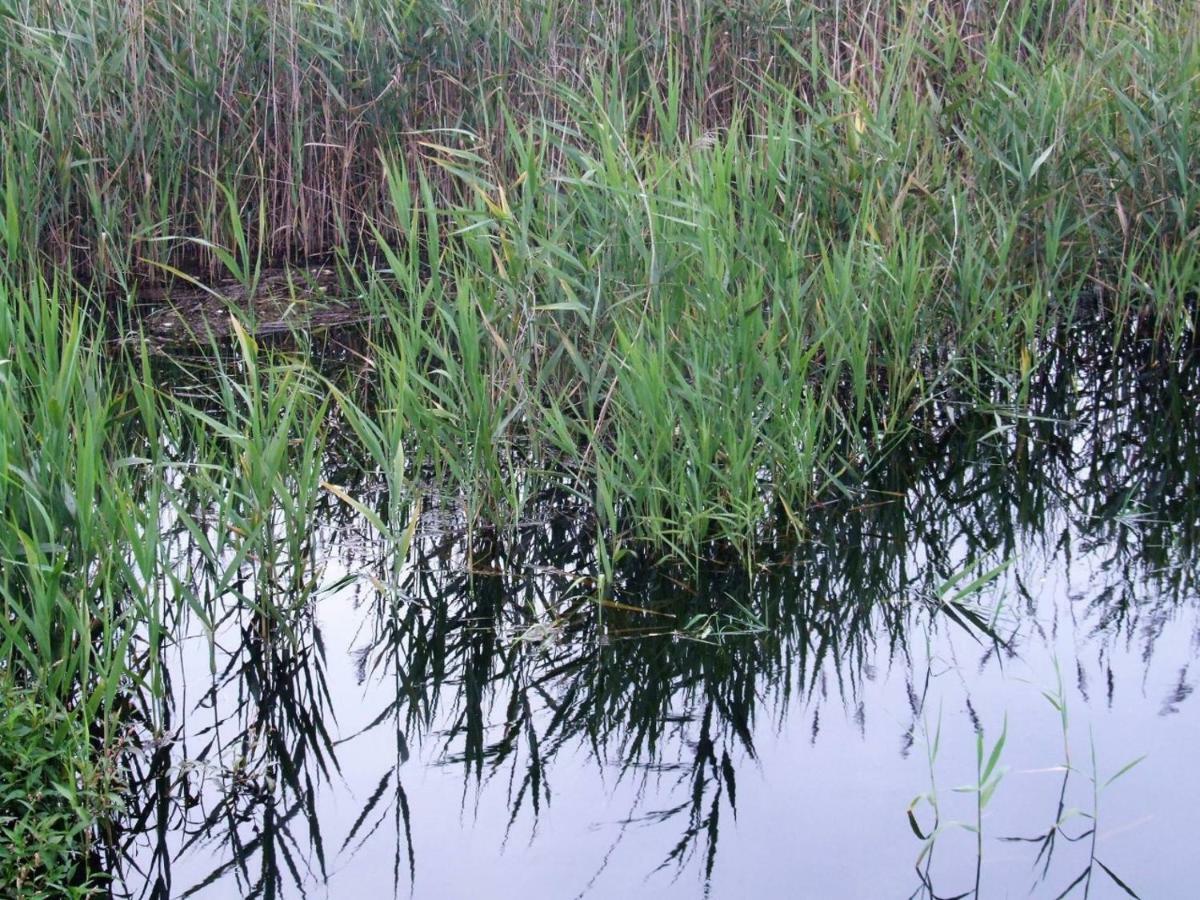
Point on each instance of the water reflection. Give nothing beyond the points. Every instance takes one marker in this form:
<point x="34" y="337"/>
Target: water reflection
<point x="469" y="717"/>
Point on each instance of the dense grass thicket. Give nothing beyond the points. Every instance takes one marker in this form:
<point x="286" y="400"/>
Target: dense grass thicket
<point x="689" y="266"/>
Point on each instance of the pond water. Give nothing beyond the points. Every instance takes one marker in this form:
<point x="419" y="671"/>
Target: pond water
<point x="466" y="721"/>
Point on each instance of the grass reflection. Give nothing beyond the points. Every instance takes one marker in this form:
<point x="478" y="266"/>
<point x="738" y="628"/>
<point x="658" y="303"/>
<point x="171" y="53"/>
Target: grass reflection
<point x="495" y="657"/>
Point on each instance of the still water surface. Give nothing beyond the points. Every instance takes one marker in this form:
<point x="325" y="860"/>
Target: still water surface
<point x="466" y="721"/>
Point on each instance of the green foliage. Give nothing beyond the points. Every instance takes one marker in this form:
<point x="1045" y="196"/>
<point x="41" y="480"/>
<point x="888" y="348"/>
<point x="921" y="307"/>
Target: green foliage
<point x="71" y="544"/>
<point x="708" y="278"/>
<point x="50" y="795"/>
<point x="223" y="134"/>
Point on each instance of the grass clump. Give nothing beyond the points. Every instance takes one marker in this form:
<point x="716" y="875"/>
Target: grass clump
<point x="699" y="263"/>
<point x="140" y="135"/>
<point x="73" y="591"/>
<point x="50" y="798"/>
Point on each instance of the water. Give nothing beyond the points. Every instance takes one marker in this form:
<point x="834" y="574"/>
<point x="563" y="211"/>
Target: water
<point x="467" y="721"/>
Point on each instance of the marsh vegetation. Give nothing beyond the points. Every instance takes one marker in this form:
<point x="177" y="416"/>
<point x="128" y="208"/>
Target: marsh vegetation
<point x="639" y="378"/>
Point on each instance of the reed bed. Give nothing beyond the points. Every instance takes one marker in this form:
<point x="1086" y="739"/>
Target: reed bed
<point x="690" y="268"/>
<point x="138" y="131"/>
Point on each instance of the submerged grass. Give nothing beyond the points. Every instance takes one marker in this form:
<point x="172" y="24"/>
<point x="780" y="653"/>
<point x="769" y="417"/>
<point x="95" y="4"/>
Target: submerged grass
<point x="690" y="268"/>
